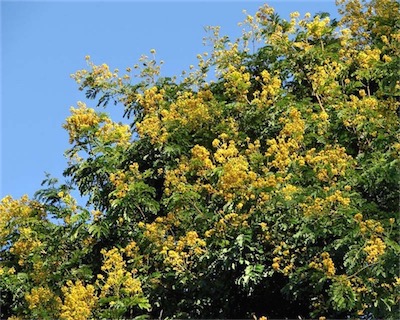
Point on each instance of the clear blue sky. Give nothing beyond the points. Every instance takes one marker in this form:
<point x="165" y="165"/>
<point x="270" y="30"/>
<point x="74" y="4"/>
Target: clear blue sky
<point x="42" y="43"/>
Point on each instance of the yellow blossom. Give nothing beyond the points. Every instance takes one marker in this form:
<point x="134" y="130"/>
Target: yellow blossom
<point x="118" y="281"/>
<point x="237" y="82"/>
<point x="81" y="120"/>
<point x="374" y="248"/>
<point x="79" y="301"/>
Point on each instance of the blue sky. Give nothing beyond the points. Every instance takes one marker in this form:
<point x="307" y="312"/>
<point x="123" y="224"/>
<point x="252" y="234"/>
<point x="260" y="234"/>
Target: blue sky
<point x="43" y="42"/>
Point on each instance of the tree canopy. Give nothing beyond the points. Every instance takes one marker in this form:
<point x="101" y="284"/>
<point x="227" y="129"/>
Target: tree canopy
<point x="263" y="182"/>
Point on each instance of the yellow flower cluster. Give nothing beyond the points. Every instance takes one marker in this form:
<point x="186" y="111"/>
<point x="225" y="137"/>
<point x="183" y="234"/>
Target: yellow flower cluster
<point x="122" y="180"/>
<point x="279" y="37"/>
<point x="84" y="119"/>
<point x="98" y="76"/>
<point x="180" y="254"/>
<point x="284" y="148"/>
<point x="70" y="202"/>
<point x="225" y="150"/>
<point x="151" y="101"/>
<point x="237" y="83"/>
<point x="235" y="174"/>
<point x="337" y="197"/>
<point x="79" y="75"/>
<point x="26" y="244"/>
<point x="283" y="152"/>
<point x="330" y="163"/>
<point x="353" y="12"/>
<point x="323" y="78"/>
<point x="322" y="122"/>
<point x="101" y="73"/>
<point x="230" y="220"/>
<point x="200" y="161"/>
<point x="39" y="297"/>
<point x="175" y="179"/>
<point x="13" y="210"/>
<point x="294" y="125"/>
<point x="321" y="206"/>
<point x="318" y="27"/>
<point x="265" y="233"/>
<point x="264" y="12"/>
<point x="79" y="301"/>
<point x="283" y="261"/>
<point x="368" y="58"/>
<point x="316" y="208"/>
<point x="235" y="179"/>
<point x="119" y="180"/>
<point x="152" y="127"/>
<point x="119" y="282"/>
<point x="251" y="30"/>
<point x="328" y="264"/>
<point x="270" y="89"/>
<point x="275" y="264"/>
<point x="288" y="191"/>
<point x="96" y="214"/>
<point x="324" y="264"/>
<point x="365" y="115"/>
<point x="81" y="120"/>
<point x="40" y="272"/>
<point x="375" y="247"/>
<point x="15" y="318"/>
<point x="358" y="217"/>
<point x="370" y="225"/>
<point x="112" y="132"/>
<point x="131" y="250"/>
<point x="190" y="110"/>
<point x="156" y="231"/>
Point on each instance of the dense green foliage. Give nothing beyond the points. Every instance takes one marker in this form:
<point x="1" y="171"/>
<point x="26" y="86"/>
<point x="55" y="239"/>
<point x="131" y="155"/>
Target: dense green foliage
<point x="270" y="191"/>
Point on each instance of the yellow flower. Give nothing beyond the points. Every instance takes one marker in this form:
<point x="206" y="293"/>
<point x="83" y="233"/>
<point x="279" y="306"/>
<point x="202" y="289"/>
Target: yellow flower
<point x="202" y="155"/>
<point x="328" y="264"/>
<point x="235" y="173"/>
<point x="118" y="281"/>
<point x="317" y="27"/>
<point x="237" y="82"/>
<point x="37" y="296"/>
<point x="358" y="217"/>
<point x="374" y="248"/>
<point x="112" y="132"/>
<point x="324" y="263"/>
<point x="288" y="191"/>
<point x="216" y="143"/>
<point x="79" y="301"/>
<point x="324" y="116"/>
<point x="81" y="120"/>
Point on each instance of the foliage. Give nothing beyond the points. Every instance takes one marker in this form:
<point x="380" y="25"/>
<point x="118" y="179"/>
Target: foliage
<point x="272" y="190"/>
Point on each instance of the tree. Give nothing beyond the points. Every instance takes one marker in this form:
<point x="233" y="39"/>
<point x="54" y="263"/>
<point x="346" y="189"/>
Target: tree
<point x="272" y="190"/>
